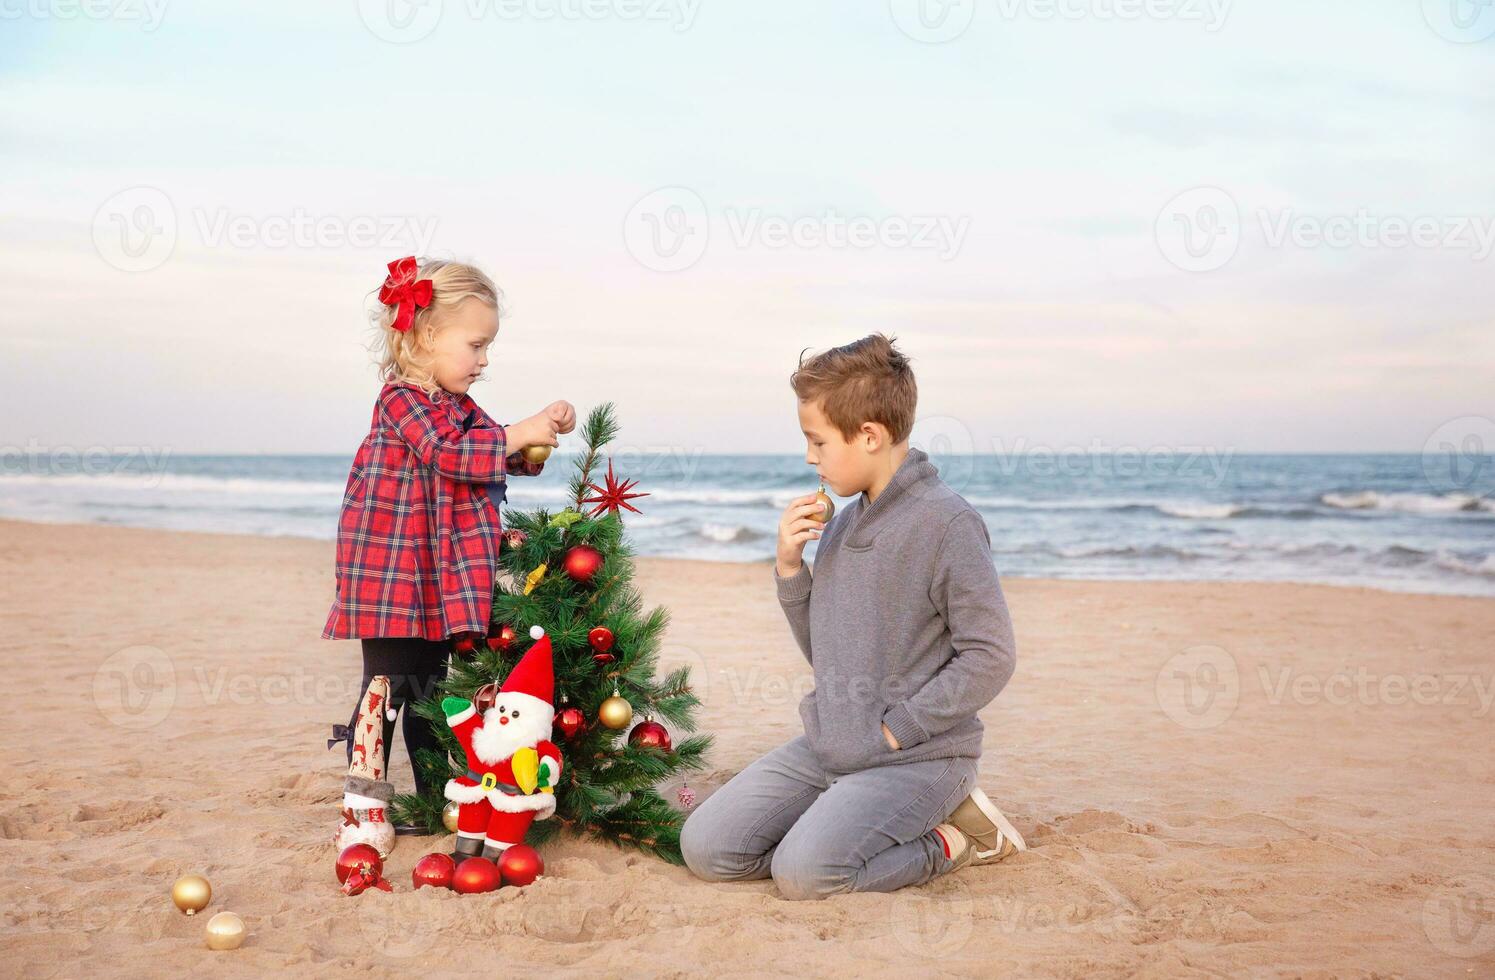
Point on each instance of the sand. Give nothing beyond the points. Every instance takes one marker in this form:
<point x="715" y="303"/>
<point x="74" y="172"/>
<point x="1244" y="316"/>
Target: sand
<point x="1214" y="779"/>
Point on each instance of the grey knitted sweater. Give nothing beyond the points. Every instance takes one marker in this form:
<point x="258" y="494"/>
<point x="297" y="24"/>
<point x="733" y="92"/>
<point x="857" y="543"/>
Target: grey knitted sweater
<point x="904" y="623"/>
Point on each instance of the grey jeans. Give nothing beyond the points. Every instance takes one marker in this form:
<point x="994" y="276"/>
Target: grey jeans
<point x="819" y="832"/>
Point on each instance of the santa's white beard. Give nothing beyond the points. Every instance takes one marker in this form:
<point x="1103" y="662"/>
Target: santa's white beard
<point x="495" y="742"/>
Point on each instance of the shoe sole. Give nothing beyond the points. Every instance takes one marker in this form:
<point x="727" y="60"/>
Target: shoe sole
<point x="1003" y="824"/>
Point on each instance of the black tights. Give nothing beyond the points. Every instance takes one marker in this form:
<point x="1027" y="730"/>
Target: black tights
<point x="414" y="668"/>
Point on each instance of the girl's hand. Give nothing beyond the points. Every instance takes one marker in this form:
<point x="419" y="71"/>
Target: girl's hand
<point x="562" y="414"/>
<point x="796" y="529"/>
<point x="892" y="740"/>
<point x="537" y="430"/>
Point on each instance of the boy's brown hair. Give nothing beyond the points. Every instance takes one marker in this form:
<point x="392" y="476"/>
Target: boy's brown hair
<point x="868" y="380"/>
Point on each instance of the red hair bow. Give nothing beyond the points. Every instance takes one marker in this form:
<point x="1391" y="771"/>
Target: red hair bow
<point x="403" y="290"/>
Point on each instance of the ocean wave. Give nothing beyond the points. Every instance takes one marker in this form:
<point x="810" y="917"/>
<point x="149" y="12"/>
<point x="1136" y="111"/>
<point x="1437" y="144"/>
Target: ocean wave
<point x="728" y="533"/>
<point x="174" y="482"/>
<point x="1408" y="503"/>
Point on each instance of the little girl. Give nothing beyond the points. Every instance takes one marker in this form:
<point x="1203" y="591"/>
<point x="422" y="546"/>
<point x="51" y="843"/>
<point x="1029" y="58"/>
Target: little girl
<point x="418" y="536"/>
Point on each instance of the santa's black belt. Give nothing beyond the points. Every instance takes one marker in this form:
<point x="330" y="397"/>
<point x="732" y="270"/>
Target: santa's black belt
<point x="488" y="781"/>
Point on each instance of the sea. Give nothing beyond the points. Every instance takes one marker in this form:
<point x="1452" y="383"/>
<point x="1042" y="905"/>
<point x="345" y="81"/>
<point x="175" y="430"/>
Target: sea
<point x="1403" y="522"/>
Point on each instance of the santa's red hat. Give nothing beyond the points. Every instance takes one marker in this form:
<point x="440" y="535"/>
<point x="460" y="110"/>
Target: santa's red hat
<point x="533" y="674"/>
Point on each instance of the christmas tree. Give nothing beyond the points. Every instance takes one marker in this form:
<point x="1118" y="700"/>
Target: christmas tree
<point x="571" y="573"/>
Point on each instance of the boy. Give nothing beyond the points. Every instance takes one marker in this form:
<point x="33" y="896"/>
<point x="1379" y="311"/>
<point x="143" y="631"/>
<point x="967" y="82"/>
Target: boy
<point x="906" y="629"/>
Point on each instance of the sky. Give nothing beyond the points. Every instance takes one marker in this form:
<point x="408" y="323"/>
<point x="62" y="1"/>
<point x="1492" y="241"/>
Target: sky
<point x="1254" y="225"/>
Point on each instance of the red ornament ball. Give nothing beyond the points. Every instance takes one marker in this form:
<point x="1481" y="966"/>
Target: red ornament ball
<point x="435" y="870"/>
<point x="582" y="562"/>
<point x="520" y="864"/>
<point x="359" y="857"/>
<point x="601" y="638"/>
<point x="570" y="721"/>
<point x="650" y="734"/>
<point x="476" y="875"/>
<point x="465" y="646"/>
<point x="503" y="639"/>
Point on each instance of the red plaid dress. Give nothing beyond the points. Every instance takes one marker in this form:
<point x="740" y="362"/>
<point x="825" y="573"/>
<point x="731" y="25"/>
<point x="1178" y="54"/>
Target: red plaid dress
<point x="417" y="539"/>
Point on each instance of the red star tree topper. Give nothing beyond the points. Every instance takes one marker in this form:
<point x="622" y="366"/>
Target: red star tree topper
<point x="615" y="495"/>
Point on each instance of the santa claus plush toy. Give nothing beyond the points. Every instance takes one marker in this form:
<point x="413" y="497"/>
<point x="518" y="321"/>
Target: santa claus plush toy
<point x="512" y="765"/>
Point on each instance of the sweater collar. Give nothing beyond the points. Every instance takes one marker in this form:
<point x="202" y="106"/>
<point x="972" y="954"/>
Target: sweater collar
<point x="914" y="470"/>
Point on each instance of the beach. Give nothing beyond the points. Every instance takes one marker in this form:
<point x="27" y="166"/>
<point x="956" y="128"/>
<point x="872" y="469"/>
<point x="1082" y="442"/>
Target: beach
<point x="1214" y="778"/>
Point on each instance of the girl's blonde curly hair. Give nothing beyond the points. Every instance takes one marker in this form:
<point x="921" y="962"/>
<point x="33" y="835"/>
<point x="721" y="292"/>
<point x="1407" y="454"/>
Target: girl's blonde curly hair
<point x="408" y="356"/>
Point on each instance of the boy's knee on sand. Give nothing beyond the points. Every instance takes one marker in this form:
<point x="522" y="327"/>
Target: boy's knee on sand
<point x="802" y="876"/>
<point x="704" y="855"/>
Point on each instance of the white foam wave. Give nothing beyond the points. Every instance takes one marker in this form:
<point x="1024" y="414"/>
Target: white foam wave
<point x="1408" y="503"/>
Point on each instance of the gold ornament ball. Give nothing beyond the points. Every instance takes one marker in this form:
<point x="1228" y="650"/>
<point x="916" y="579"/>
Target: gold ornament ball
<point x="225" y="931"/>
<point x="449" y="817"/>
<point x="615" y="712"/>
<point x="827" y="507"/>
<point x="191" y="893"/>
<point x="536" y="454"/>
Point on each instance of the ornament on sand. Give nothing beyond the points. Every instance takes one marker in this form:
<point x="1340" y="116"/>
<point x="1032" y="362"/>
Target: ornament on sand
<point x="359" y="867"/>
<point x="614" y="495"/>
<point x="520" y="865"/>
<point x="449" y="816"/>
<point x="475" y="876"/>
<point x="225" y="931"/>
<point x="191" y="893"/>
<point x="434" y="871"/>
